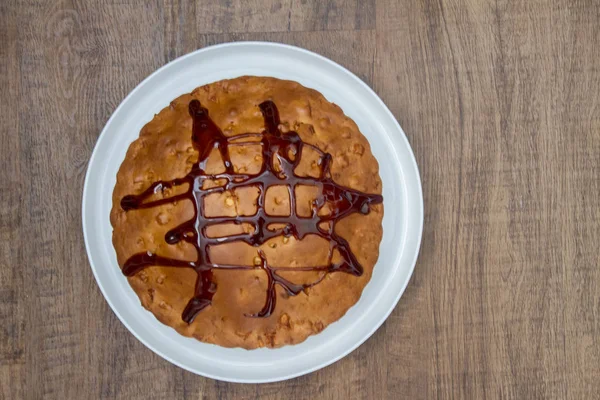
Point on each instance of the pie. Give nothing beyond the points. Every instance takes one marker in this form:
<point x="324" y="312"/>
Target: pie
<point x="248" y="213"/>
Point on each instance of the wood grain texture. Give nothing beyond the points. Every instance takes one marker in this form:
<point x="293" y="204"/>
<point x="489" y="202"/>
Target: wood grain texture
<point x="501" y="103"/>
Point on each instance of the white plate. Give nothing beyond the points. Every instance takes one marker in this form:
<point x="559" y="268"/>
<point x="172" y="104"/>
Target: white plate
<point x="402" y="223"/>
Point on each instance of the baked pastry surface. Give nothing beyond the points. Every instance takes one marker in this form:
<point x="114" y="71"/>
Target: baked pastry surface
<point x="165" y="151"/>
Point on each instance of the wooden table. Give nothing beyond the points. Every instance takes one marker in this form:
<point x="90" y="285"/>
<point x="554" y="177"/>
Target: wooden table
<point x="501" y="103"/>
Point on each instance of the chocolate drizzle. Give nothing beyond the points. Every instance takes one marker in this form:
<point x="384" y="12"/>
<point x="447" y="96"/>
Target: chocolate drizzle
<point x="281" y="154"/>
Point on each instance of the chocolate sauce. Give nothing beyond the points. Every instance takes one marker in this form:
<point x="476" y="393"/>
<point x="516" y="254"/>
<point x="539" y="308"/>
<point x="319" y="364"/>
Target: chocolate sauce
<point x="281" y="153"/>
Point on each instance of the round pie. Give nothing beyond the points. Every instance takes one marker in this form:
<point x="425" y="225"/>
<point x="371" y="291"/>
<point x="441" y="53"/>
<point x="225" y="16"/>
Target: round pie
<point x="248" y="213"/>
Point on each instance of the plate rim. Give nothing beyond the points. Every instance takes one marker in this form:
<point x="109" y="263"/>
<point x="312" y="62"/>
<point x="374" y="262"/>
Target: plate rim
<point x="419" y="211"/>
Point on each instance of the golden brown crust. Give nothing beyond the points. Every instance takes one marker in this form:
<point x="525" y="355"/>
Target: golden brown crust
<point x="164" y="151"/>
